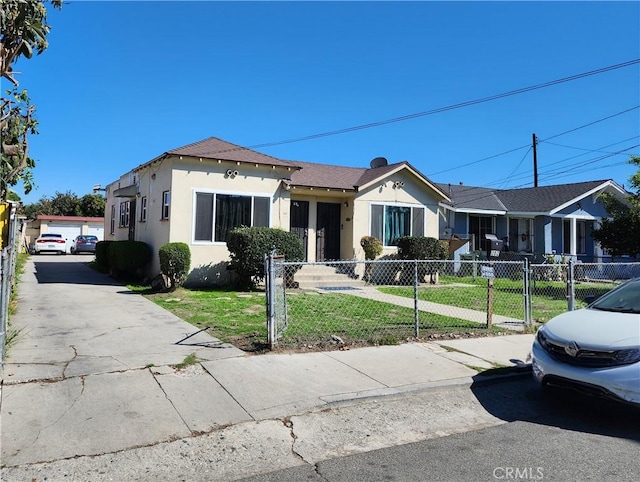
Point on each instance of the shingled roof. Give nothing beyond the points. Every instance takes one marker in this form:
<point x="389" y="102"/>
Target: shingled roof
<point x="472" y="198"/>
<point x="542" y="199"/>
<point x="214" y="148"/>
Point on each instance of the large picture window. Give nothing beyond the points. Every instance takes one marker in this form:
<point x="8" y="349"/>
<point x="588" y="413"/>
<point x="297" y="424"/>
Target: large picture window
<point x="217" y="214"/>
<point x="391" y="222"/>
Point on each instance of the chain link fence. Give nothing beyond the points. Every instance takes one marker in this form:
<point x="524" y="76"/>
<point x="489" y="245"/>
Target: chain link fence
<point x="391" y="301"/>
<point x="558" y="287"/>
<point x="7" y="272"/>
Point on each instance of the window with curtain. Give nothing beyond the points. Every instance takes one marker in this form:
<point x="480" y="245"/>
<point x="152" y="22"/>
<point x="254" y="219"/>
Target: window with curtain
<point x="391" y="222"/>
<point x="217" y="214"/>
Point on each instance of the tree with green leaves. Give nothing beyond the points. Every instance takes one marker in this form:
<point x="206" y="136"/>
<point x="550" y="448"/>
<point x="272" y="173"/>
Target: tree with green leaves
<point x="67" y="204"/>
<point x="620" y="234"/>
<point x="23" y="32"/>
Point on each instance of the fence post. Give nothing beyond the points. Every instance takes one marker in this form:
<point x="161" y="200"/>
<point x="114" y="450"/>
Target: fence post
<point x="5" y="293"/>
<point x="571" y="287"/>
<point x="526" y="291"/>
<point x="416" y="321"/>
<point x="269" y="287"/>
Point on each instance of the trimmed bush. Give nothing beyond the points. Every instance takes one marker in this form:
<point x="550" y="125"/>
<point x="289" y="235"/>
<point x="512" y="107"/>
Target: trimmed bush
<point x="102" y="255"/>
<point x="248" y="246"/>
<point x="128" y="258"/>
<point x="422" y="248"/>
<point x="372" y="247"/>
<point x="175" y="261"/>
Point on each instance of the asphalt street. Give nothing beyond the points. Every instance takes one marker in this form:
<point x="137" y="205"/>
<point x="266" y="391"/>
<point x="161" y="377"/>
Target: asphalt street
<point x="559" y="436"/>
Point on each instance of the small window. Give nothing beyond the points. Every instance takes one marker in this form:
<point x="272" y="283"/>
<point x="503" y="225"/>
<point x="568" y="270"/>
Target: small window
<point x="165" y="204"/>
<point x="143" y="208"/>
<point x="113" y="220"/>
<point x="124" y="214"/>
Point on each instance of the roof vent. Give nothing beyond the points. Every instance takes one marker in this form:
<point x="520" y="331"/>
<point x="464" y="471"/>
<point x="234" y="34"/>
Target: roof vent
<point x="378" y="162"/>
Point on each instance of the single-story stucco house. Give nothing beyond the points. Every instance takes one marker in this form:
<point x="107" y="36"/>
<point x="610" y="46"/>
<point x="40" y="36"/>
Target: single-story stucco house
<point x="195" y="194"/>
<point x="537" y="221"/>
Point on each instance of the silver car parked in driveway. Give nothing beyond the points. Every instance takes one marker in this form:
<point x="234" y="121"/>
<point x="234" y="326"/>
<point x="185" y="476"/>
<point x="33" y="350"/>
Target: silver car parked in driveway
<point x="595" y="349"/>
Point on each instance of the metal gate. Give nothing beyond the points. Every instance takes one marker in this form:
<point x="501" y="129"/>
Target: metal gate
<point x="276" y="297"/>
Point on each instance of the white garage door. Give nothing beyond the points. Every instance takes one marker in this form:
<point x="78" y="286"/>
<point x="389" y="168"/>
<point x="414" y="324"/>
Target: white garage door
<point x="68" y="231"/>
<point x="97" y="231"/>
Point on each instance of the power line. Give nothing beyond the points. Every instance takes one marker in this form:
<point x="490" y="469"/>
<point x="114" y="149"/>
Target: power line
<point x="451" y="107"/>
<point x="590" y="123"/>
<point x="508" y="178"/>
<point x="529" y="145"/>
<point x="553" y="173"/>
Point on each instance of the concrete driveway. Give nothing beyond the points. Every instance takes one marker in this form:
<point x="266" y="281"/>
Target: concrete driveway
<point x="80" y="379"/>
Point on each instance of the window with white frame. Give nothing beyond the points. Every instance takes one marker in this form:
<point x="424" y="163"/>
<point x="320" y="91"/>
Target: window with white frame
<point x="217" y="214"/>
<point x="166" y="198"/>
<point x="125" y="207"/>
<point x="112" y="227"/>
<point x="143" y="208"/>
<point x="389" y="222"/>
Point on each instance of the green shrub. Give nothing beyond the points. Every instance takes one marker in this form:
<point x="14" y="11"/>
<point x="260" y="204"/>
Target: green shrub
<point x="248" y="246"/>
<point x="175" y="261"/>
<point x="372" y="247"/>
<point x="421" y="248"/>
<point x="102" y="255"/>
<point x="128" y="258"/>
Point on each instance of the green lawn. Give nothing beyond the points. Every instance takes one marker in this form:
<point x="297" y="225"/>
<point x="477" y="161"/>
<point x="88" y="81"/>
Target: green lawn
<point x="313" y="319"/>
<point x="549" y="297"/>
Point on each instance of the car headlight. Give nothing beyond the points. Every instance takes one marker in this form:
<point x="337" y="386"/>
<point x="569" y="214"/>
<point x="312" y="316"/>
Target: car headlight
<point x="542" y="338"/>
<point x="628" y="356"/>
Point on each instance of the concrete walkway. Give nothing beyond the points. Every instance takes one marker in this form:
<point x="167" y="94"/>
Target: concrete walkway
<point x="467" y="314"/>
<point x="93" y="372"/>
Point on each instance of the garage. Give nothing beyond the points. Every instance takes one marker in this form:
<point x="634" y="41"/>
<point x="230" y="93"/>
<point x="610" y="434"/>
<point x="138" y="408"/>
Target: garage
<point x="68" y="226"/>
<point x="68" y="231"/>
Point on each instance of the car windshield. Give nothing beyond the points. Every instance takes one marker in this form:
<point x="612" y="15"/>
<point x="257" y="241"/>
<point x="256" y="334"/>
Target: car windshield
<point x="624" y="299"/>
<point x="50" y="235"/>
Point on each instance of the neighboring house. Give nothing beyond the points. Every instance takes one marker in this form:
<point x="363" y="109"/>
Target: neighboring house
<point x="532" y="221"/>
<point x="68" y="226"/>
<point x="195" y="194"/>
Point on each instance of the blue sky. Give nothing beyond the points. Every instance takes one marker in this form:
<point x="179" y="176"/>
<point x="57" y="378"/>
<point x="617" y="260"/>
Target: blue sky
<point x="123" y="82"/>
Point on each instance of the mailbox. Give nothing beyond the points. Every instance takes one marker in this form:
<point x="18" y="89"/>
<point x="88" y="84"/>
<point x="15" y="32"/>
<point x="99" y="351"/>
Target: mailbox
<point x="494" y="247"/>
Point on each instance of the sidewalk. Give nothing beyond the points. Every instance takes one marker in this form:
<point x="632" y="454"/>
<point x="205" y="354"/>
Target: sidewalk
<point x="93" y="372"/>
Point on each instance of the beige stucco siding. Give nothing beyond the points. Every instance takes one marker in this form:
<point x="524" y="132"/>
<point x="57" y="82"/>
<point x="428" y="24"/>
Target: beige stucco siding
<point x="190" y="176"/>
<point x="412" y="193"/>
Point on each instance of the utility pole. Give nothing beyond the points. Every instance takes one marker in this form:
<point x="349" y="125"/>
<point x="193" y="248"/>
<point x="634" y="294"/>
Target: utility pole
<point x="535" y="161"/>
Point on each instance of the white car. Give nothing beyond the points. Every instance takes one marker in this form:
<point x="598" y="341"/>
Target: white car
<point x="595" y="349"/>
<point x="50" y="243"/>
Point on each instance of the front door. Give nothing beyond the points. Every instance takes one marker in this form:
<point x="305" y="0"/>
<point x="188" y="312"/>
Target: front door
<point x="328" y="232"/>
<point x="300" y="223"/>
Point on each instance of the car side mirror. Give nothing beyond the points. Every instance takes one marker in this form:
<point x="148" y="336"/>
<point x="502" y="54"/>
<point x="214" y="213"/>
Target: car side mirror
<point x="590" y="299"/>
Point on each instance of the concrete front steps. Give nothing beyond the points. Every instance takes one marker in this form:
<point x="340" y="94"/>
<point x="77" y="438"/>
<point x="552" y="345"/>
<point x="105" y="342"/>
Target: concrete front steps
<point x="319" y="276"/>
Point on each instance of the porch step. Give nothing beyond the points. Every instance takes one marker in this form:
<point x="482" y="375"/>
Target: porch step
<point x="312" y="276"/>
